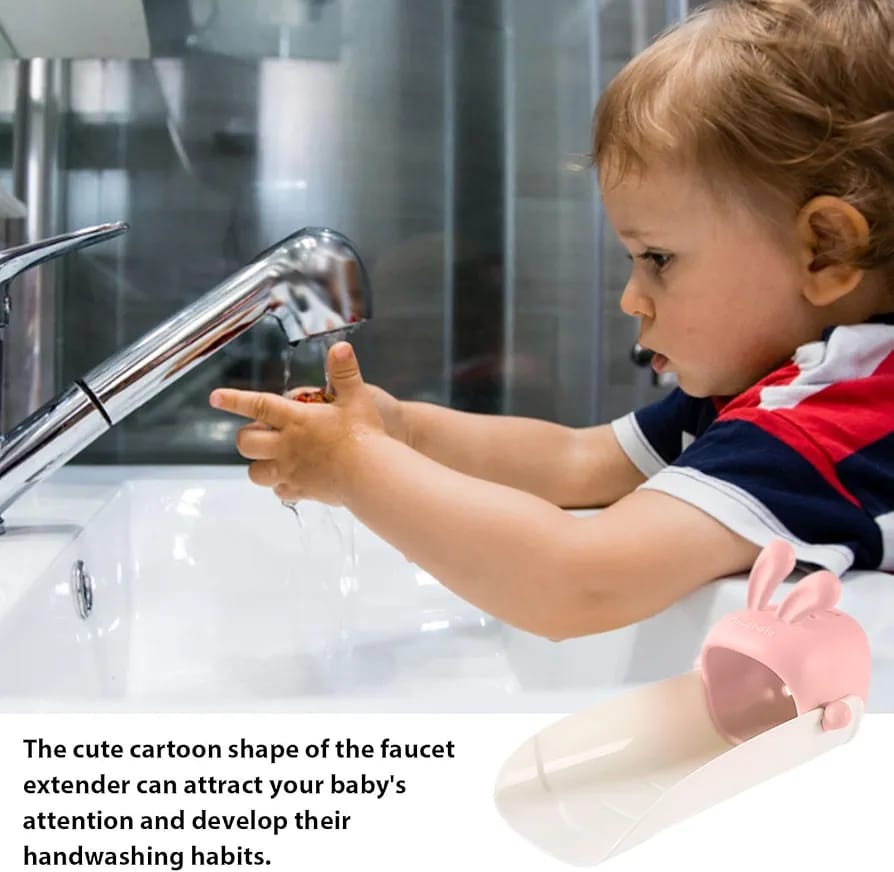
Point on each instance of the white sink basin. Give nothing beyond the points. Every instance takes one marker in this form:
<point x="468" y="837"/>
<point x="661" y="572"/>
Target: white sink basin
<point x="208" y="594"/>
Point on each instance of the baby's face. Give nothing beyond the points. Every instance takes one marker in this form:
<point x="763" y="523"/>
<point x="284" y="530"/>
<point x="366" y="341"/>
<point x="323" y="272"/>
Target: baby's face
<point x="717" y="290"/>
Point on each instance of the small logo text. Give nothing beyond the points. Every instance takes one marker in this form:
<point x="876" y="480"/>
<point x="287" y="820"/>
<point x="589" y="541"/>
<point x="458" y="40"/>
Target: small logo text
<point x="763" y="629"/>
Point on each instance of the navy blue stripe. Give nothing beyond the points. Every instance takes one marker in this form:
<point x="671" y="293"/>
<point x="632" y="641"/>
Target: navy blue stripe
<point x="869" y="475"/>
<point x="744" y="455"/>
<point x="664" y="421"/>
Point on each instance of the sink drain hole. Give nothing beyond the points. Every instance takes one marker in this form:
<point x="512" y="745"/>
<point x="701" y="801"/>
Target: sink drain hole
<point x="82" y="588"/>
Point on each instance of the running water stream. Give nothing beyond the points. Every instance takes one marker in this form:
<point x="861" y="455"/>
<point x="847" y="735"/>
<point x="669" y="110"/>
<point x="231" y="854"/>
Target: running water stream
<point x="326" y="341"/>
<point x="313" y="538"/>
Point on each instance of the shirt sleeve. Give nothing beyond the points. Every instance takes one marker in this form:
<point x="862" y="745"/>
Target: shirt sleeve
<point x="656" y="435"/>
<point x="764" y="482"/>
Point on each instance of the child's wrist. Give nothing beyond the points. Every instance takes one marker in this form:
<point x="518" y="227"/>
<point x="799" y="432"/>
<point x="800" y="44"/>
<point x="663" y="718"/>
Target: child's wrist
<point x="360" y="462"/>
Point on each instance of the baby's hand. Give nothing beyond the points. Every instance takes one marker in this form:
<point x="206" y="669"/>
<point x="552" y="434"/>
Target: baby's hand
<point x="390" y="408"/>
<point x="306" y="450"/>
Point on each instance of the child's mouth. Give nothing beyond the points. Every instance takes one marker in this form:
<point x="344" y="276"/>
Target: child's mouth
<point x="659" y="362"/>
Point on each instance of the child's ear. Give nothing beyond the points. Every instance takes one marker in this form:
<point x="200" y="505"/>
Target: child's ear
<point x="832" y="233"/>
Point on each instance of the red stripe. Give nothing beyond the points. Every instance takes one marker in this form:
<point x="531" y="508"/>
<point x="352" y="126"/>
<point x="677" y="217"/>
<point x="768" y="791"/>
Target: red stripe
<point x="780" y="423"/>
<point x="850" y="415"/>
<point x="752" y="396"/>
<point x="829" y="425"/>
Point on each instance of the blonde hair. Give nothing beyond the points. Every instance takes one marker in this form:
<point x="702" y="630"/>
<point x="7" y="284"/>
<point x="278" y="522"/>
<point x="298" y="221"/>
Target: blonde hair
<point x="792" y="98"/>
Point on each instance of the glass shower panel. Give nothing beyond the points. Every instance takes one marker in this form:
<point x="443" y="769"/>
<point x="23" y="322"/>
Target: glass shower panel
<point x="553" y="365"/>
<point x="568" y="347"/>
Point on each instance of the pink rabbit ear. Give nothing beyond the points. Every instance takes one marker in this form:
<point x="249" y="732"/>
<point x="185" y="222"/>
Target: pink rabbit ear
<point x="773" y="565"/>
<point x="817" y="592"/>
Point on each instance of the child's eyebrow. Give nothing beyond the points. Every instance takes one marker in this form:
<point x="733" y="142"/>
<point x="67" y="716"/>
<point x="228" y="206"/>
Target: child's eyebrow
<point x="640" y="235"/>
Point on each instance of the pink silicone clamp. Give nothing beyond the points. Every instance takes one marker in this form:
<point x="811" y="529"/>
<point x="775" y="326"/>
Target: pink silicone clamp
<point x="767" y="664"/>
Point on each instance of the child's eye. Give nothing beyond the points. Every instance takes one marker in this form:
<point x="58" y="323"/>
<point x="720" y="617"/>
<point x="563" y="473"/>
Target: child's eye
<point x="656" y="259"/>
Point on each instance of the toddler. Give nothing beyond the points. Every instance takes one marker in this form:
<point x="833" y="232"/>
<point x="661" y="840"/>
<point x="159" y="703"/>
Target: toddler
<point x="746" y="161"/>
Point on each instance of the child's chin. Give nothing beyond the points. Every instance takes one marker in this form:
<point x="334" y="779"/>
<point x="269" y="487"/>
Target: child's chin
<point x="702" y="388"/>
<point x="695" y="387"/>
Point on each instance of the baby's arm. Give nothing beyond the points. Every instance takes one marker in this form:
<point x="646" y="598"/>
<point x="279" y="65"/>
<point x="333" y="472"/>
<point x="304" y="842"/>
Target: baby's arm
<point x="512" y="553"/>
<point x="569" y="467"/>
<point x="530" y="563"/>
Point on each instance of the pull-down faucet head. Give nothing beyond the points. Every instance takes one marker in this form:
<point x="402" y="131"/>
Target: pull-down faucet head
<point x="324" y="284"/>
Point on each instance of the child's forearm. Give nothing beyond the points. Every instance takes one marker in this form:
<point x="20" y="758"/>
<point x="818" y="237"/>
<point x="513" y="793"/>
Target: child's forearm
<point x="494" y="447"/>
<point x="498" y="548"/>
<point x="568" y="467"/>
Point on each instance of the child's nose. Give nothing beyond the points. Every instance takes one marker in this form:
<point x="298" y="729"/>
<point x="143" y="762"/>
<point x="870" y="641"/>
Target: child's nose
<point x="634" y="302"/>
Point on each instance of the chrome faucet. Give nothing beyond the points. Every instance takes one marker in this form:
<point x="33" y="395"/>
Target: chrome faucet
<point x="16" y="260"/>
<point x="312" y="282"/>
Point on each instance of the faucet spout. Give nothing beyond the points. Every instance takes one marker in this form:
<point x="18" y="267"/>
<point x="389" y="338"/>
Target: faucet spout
<point x="312" y="282"/>
<point x="16" y="260"/>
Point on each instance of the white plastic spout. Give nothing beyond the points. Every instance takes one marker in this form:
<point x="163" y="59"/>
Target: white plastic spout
<point x="599" y="782"/>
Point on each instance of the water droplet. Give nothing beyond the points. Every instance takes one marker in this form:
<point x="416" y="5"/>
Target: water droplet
<point x="292" y="505"/>
<point x="287" y="367"/>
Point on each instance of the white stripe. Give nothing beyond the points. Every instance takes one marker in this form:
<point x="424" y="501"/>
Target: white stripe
<point x="742" y="513"/>
<point x="851" y="353"/>
<point x="886" y="526"/>
<point x="635" y="445"/>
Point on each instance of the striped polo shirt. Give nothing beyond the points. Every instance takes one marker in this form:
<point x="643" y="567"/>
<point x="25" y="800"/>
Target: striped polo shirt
<point x="806" y="454"/>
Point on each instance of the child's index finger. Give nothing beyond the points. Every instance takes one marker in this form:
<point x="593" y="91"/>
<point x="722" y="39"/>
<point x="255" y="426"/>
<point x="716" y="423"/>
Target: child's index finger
<point x="267" y="408"/>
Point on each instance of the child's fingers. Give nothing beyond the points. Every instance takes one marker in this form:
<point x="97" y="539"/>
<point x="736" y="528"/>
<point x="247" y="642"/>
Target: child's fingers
<point x="264" y="473"/>
<point x="343" y="369"/>
<point x="267" y="408"/>
<point x="257" y="442"/>
<point x="288" y="492"/>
